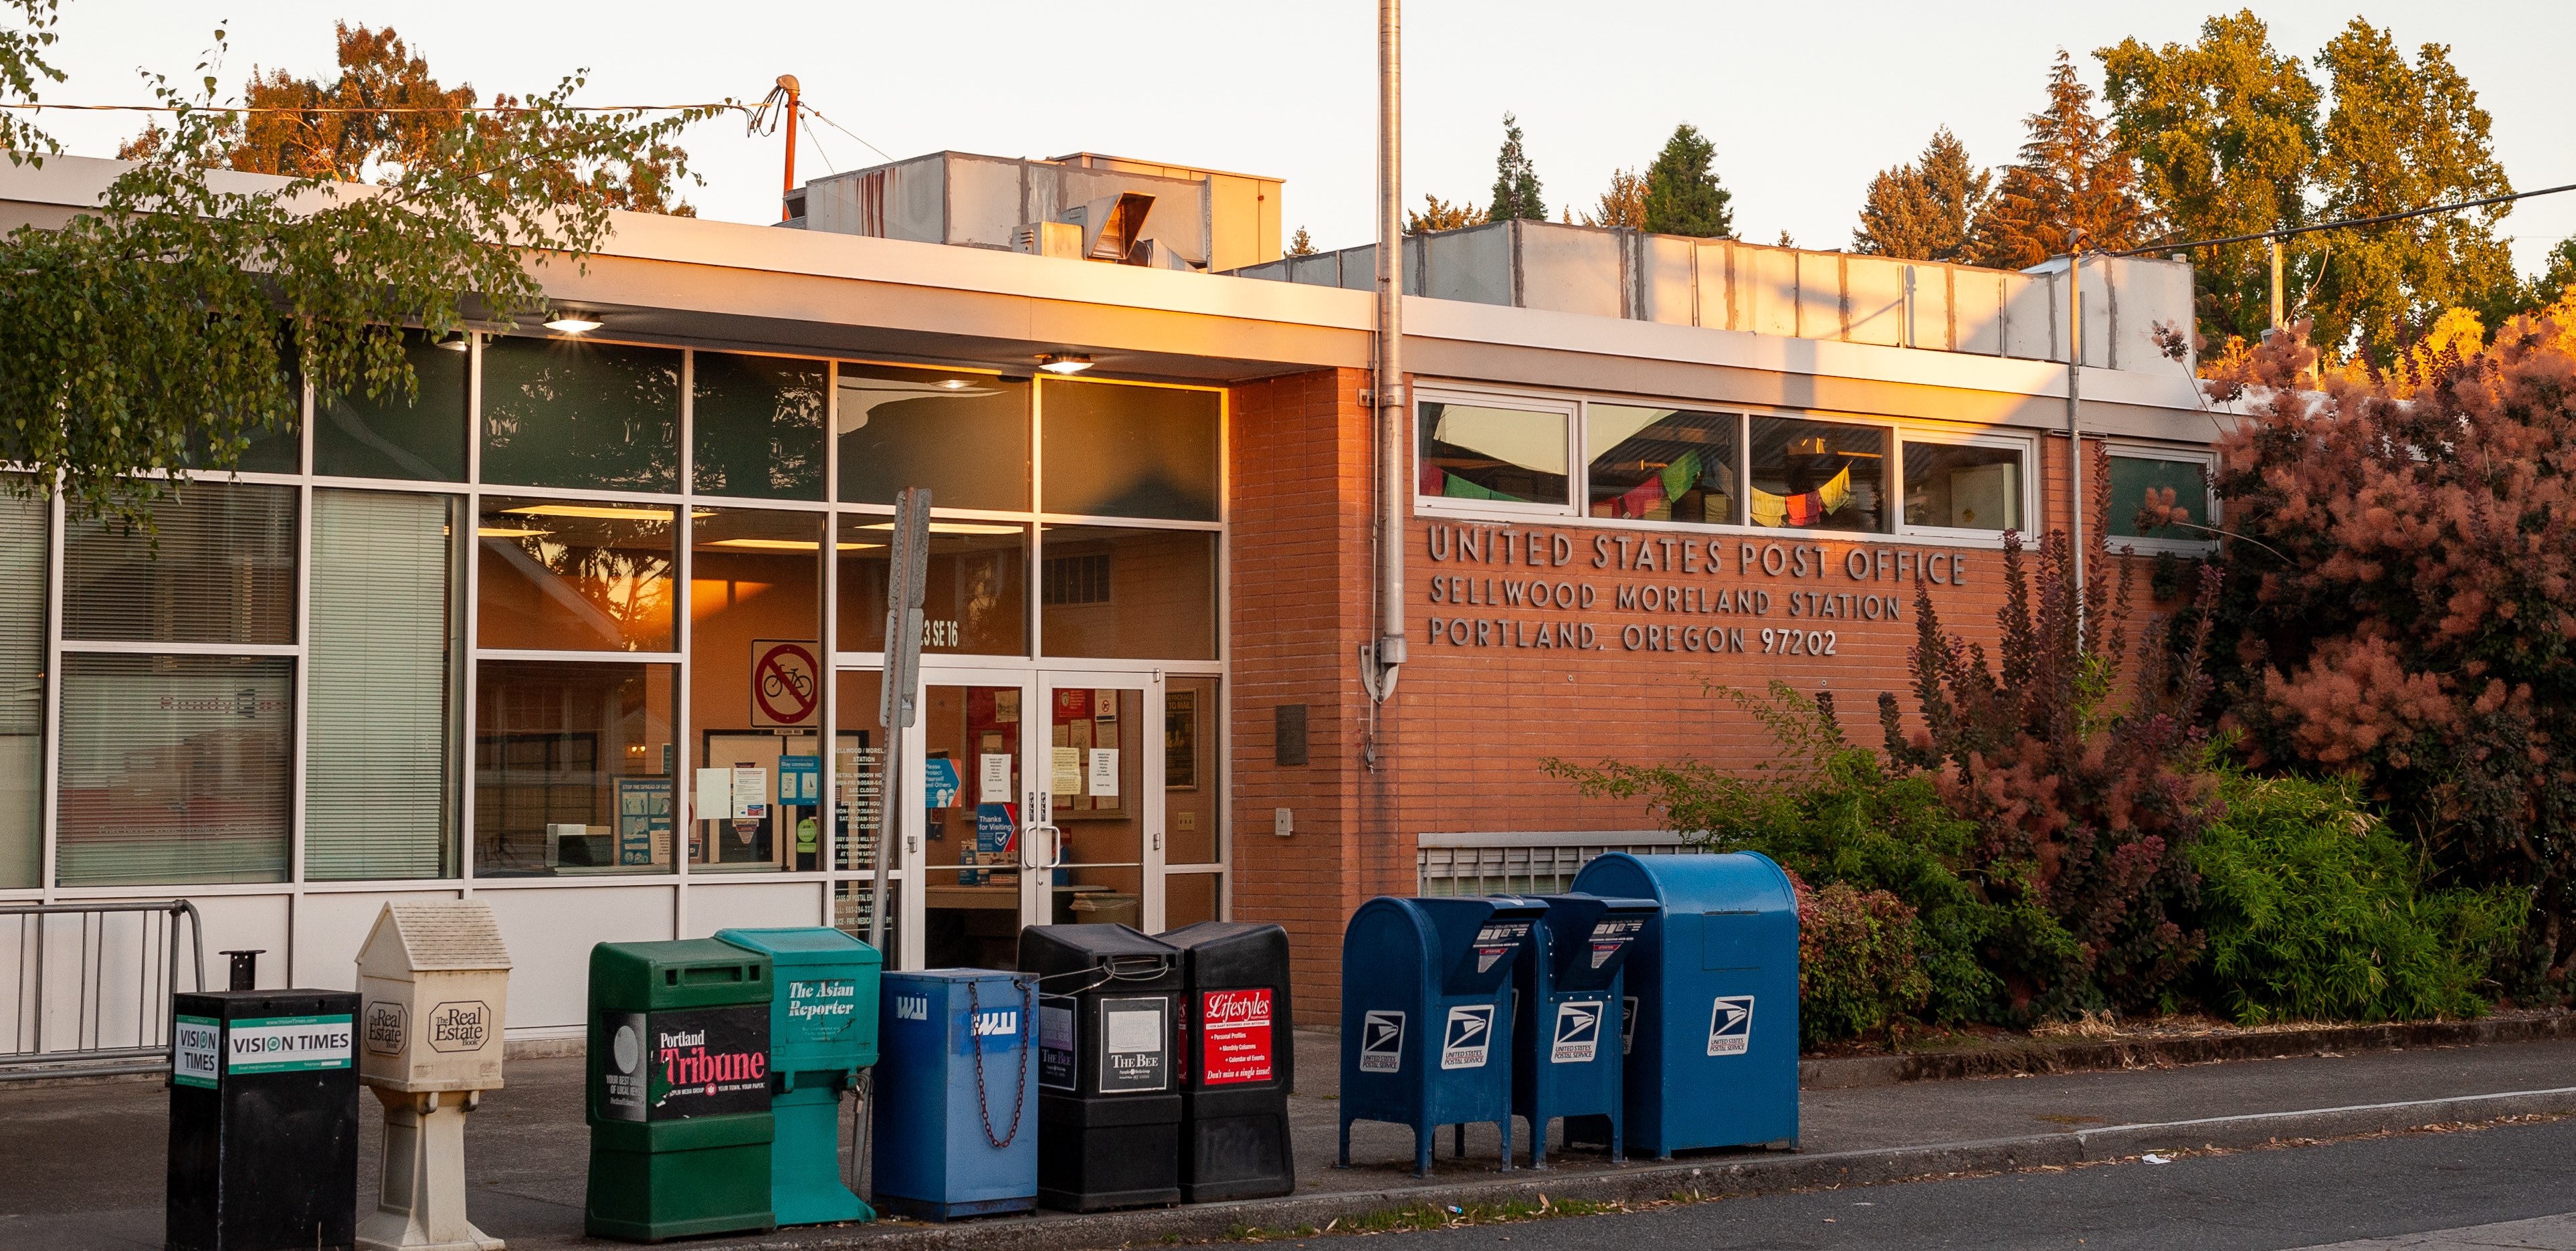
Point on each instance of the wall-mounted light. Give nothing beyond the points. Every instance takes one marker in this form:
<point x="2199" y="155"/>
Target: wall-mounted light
<point x="572" y="323"/>
<point x="1064" y="362"/>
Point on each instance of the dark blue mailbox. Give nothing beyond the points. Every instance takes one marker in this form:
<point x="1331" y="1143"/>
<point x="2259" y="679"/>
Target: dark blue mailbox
<point x="1713" y="1050"/>
<point x="1566" y="1026"/>
<point x="1426" y="1015"/>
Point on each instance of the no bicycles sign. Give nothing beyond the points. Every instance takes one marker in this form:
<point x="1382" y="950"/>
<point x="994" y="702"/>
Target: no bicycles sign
<point x="786" y="683"/>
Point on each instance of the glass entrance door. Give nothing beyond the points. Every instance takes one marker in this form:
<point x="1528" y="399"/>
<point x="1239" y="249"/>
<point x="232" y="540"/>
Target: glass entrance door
<point x="970" y="798"/>
<point x="1100" y="785"/>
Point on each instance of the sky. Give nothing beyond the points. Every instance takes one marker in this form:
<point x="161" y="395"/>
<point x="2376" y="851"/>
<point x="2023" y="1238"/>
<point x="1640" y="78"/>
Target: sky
<point x="1803" y="101"/>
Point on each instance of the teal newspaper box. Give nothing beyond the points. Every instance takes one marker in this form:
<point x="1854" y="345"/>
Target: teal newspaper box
<point x="822" y="1032"/>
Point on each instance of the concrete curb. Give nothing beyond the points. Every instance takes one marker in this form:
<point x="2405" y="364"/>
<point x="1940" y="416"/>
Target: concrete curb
<point x="1723" y="1176"/>
<point x="2046" y="1056"/>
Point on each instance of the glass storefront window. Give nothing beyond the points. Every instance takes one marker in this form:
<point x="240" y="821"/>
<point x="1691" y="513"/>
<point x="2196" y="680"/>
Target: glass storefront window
<point x="388" y="657"/>
<point x="758" y="425"/>
<point x="2133" y="476"/>
<point x="1963" y="487"/>
<point x="858" y="770"/>
<point x="573" y="574"/>
<point x="573" y="764"/>
<point x="418" y="437"/>
<point x="1818" y="475"/>
<point x="975" y="596"/>
<point x="22" y="690"/>
<point x="1503" y="455"/>
<point x="175" y="769"/>
<point x="562" y="412"/>
<point x="1115" y="450"/>
<point x="963" y="435"/>
<point x="1661" y="464"/>
<point x="756" y="672"/>
<point x="1117" y="592"/>
<point x="218" y="568"/>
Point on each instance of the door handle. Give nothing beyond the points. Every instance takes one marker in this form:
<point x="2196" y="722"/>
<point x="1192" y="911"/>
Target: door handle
<point x="1055" y="841"/>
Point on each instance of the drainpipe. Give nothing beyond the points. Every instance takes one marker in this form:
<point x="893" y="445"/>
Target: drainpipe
<point x="2074" y="412"/>
<point x="1394" y="482"/>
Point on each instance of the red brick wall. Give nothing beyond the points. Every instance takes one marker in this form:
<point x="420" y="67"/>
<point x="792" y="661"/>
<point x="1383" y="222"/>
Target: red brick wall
<point x="1462" y="746"/>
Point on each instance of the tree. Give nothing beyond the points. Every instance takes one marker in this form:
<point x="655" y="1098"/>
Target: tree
<point x="162" y="331"/>
<point x="1682" y="192"/>
<point x="1439" y="214"/>
<point x="1624" y="204"/>
<point x="2087" y="799"/>
<point x="1516" y="187"/>
<point x="2224" y="135"/>
<point x="2399" y="589"/>
<point x="2072" y="177"/>
<point x="1923" y="211"/>
<point x="1301" y="243"/>
<point x="2556" y="277"/>
<point x="2402" y="137"/>
<point x="385" y="110"/>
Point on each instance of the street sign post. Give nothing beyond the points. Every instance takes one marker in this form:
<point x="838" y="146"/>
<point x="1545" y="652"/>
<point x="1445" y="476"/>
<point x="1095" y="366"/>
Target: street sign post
<point x="899" y="702"/>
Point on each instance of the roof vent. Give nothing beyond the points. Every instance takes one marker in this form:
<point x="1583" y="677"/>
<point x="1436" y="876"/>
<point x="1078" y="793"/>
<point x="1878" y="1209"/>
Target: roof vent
<point x="1110" y="224"/>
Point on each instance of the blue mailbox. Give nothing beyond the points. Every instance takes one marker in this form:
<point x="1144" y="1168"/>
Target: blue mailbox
<point x="1567" y="1023"/>
<point x="1426" y="1015"/>
<point x="1713" y="1049"/>
<point x="956" y="1123"/>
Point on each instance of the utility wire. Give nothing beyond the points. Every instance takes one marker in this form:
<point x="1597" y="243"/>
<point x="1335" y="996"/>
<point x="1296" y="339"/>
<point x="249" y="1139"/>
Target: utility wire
<point x="817" y="114"/>
<point x="2342" y="222"/>
<point x="338" y="108"/>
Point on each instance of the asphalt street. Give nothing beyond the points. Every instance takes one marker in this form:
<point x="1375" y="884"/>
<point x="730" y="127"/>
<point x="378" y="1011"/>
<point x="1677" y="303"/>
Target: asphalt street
<point x="2438" y="1184"/>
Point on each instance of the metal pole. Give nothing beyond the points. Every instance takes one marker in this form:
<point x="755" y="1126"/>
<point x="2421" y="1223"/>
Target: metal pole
<point x="2276" y="284"/>
<point x="788" y="84"/>
<point x="898" y="697"/>
<point x="1394" y="477"/>
<point x="2074" y="415"/>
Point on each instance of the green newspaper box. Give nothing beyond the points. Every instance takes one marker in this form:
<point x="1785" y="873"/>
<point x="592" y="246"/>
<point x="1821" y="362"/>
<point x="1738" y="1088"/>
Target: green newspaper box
<point x="678" y="1090"/>
<point x="822" y="1031"/>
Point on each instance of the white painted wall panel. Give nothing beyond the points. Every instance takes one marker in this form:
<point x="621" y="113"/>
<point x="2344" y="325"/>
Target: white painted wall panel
<point x="1874" y="293"/>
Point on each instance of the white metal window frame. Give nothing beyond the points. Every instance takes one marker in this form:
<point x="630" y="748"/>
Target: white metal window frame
<point x="2025" y="494"/>
<point x="2208" y="462"/>
<point x="1571" y="409"/>
<point x="685" y="501"/>
<point x="1579" y="459"/>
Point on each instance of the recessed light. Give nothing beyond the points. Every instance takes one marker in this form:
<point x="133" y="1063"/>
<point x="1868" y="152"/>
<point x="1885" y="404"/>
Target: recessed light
<point x="453" y="343"/>
<point x="954" y="384"/>
<point x="1064" y="362"/>
<point x="572" y="323"/>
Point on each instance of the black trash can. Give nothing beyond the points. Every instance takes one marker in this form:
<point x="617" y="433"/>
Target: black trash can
<point x="1109" y="1111"/>
<point x="263" y="1121"/>
<point x="1238" y="1060"/>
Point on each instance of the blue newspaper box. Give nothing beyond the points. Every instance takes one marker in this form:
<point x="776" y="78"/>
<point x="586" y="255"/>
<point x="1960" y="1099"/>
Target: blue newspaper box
<point x="1568" y="1019"/>
<point x="956" y="1123"/>
<point x="1713" y="983"/>
<point x="1426" y="1016"/>
<point x="822" y="1031"/>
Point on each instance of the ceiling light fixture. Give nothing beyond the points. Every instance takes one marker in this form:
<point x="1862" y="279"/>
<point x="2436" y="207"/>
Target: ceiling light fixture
<point x="572" y="323"/>
<point x="457" y="342"/>
<point x="1064" y="362"/>
<point x="954" y="384"/>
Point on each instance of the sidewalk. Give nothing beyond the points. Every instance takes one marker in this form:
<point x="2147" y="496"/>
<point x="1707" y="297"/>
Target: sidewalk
<point x="85" y="1162"/>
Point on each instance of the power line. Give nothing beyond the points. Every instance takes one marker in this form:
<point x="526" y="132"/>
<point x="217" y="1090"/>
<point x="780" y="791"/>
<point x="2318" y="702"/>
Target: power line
<point x="2347" y="221"/>
<point x="817" y="114"/>
<point x="337" y="108"/>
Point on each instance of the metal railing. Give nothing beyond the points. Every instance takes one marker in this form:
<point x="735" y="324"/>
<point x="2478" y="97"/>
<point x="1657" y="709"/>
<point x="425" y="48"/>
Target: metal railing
<point x="106" y="1011"/>
<point x="1525" y="864"/>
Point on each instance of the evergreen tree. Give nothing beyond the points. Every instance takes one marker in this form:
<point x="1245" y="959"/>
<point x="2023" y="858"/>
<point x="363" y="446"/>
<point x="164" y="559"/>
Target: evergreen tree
<point x="1439" y="214"/>
<point x="2401" y="137"/>
<point x="1301" y="243"/>
<point x="2224" y="132"/>
<point x="1922" y="211"/>
<point x="1516" y="189"/>
<point x="2072" y="176"/>
<point x="1682" y="192"/>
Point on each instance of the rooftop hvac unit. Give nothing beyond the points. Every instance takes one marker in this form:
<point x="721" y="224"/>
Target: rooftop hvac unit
<point x="1110" y="224"/>
<point x="1057" y="239"/>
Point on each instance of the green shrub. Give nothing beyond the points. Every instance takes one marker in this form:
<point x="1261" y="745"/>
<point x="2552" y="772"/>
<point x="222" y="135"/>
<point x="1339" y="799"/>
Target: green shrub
<point x="1857" y="971"/>
<point x="2315" y="911"/>
<point x="1830" y="812"/>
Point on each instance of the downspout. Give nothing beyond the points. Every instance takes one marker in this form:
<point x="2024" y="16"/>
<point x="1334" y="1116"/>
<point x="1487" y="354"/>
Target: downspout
<point x="2074" y="412"/>
<point x="1386" y="655"/>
